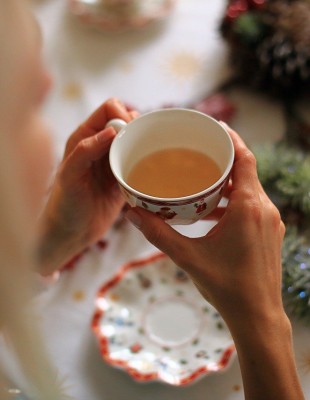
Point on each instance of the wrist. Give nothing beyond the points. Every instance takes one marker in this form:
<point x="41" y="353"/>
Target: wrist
<point x="252" y="327"/>
<point x="266" y="357"/>
<point x="56" y="247"/>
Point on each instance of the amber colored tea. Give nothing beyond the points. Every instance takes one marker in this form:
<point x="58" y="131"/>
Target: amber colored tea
<point x="174" y="172"/>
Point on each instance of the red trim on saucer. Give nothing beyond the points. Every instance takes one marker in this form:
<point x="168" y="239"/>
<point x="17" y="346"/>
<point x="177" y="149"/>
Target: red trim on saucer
<point x="131" y="265"/>
<point x="103" y="341"/>
<point x="114" y="25"/>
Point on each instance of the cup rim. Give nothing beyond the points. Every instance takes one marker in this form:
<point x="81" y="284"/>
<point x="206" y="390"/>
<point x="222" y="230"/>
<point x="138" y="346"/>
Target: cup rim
<point x="187" y="198"/>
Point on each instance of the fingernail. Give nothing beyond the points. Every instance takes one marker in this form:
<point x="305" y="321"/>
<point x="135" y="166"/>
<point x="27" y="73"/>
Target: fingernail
<point x="134" y="114"/>
<point x="120" y="104"/>
<point x="134" y="218"/>
<point x="224" y="124"/>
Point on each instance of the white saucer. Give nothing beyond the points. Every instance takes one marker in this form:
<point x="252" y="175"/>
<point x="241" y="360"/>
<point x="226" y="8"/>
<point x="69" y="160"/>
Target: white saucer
<point x="151" y="321"/>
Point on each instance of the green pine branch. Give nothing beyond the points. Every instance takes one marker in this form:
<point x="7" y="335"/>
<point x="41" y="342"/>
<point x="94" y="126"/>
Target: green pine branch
<point x="249" y="27"/>
<point x="286" y="172"/>
<point x="296" y="275"/>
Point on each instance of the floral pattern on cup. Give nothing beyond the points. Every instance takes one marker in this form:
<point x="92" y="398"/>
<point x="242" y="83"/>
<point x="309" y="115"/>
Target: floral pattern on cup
<point x="201" y="206"/>
<point x="166" y="213"/>
<point x="179" y="212"/>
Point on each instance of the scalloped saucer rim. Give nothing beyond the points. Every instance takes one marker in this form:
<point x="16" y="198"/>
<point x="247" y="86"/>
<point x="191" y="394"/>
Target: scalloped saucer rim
<point x="123" y="334"/>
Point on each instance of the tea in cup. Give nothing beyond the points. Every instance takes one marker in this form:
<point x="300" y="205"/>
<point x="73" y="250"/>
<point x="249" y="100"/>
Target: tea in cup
<point x="172" y="162"/>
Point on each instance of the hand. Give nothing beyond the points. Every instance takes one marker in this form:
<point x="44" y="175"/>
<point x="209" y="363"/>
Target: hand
<point x="239" y="260"/>
<point x="85" y="199"/>
<point x="237" y="267"/>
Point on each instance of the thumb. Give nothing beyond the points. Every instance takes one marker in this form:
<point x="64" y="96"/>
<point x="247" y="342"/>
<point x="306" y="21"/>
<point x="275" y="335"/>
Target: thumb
<point x="85" y="153"/>
<point x="161" y="235"/>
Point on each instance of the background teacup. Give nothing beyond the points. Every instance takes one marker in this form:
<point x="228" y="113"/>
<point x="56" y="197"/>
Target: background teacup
<point x="164" y="129"/>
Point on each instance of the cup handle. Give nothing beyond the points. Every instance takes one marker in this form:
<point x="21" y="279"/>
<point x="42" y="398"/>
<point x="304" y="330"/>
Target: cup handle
<point x="116" y="123"/>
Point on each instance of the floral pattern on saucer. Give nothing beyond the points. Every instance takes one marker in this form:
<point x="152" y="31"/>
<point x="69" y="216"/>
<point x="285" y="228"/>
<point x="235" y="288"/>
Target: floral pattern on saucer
<point x="119" y="15"/>
<point x="151" y="321"/>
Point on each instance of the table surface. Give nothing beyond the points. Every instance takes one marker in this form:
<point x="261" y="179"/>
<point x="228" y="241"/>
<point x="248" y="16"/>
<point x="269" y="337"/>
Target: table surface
<point x="175" y="62"/>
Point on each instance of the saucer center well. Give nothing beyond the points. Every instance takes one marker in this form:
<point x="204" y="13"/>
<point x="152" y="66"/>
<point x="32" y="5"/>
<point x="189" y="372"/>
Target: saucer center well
<point x="172" y="322"/>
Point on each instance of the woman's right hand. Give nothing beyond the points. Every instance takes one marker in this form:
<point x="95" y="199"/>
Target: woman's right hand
<point x="237" y="265"/>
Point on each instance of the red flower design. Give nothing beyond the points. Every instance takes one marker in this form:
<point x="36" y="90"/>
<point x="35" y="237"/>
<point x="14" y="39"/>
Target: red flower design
<point x="144" y="281"/>
<point x="200" y="207"/>
<point x="102" y="244"/>
<point x="238" y="7"/>
<point x="166" y="213"/>
<point x="218" y="106"/>
<point x="135" y="348"/>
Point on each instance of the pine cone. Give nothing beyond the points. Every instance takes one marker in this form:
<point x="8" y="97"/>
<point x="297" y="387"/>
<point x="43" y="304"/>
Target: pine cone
<point x="291" y="18"/>
<point x="272" y="50"/>
<point x="284" y="55"/>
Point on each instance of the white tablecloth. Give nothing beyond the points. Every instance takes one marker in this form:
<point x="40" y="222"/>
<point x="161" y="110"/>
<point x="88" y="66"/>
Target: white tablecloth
<point x="143" y="68"/>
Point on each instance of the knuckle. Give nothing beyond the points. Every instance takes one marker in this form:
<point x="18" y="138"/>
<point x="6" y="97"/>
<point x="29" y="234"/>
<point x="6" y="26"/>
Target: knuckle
<point x="261" y="213"/>
<point x="251" y="208"/>
<point x="276" y="215"/>
<point x="282" y="228"/>
<point x="250" y="200"/>
<point x="255" y="211"/>
<point x="273" y="214"/>
<point x="83" y="146"/>
<point x="249" y="159"/>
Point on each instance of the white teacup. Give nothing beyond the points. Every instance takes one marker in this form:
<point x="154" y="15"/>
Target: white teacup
<point x="172" y="128"/>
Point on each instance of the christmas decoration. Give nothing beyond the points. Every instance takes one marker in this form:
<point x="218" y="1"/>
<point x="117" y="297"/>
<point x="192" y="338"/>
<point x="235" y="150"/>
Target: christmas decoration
<point x="296" y="275"/>
<point x="269" y="43"/>
<point x="298" y="125"/>
<point x="216" y="105"/>
<point x="284" y="171"/>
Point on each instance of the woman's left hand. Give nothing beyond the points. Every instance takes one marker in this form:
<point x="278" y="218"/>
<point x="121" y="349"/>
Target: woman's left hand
<point x="85" y="199"/>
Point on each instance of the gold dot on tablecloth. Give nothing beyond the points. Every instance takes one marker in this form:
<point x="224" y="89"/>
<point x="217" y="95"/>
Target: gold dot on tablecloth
<point x="78" y="295"/>
<point x="183" y="65"/>
<point x="72" y="91"/>
<point x="63" y="385"/>
<point x="114" y="297"/>
<point x="236" y="388"/>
